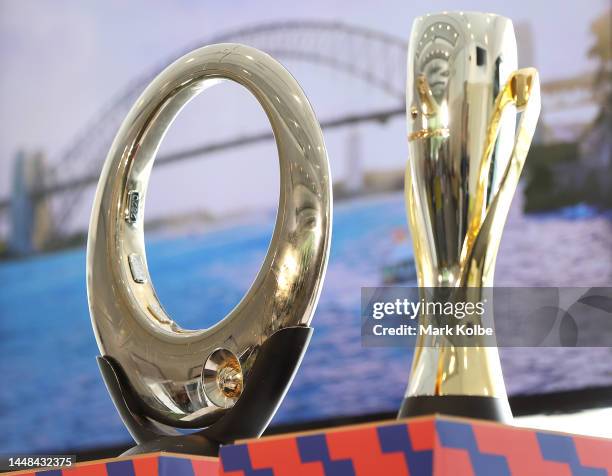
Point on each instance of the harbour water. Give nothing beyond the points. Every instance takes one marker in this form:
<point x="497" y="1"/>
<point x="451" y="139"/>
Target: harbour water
<point x="52" y="397"/>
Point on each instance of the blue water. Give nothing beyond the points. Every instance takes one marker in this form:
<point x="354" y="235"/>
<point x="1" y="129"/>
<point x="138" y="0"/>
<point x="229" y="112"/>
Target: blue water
<point x="580" y="211"/>
<point x="52" y="397"/>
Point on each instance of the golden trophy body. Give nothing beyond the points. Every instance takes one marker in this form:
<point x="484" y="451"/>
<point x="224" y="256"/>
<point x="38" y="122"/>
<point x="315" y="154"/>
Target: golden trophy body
<point x="466" y="154"/>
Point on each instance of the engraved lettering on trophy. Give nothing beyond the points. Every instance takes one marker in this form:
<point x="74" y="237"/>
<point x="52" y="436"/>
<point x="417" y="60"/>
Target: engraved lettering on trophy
<point x="133" y="206"/>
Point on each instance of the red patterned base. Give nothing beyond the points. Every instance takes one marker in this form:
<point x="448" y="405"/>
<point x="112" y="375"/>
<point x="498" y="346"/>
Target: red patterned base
<point x="432" y="445"/>
<point x="154" y="464"/>
<point x="425" y="446"/>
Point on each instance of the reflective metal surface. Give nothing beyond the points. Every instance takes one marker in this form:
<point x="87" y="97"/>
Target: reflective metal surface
<point x="466" y="155"/>
<point x="164" y="363"/>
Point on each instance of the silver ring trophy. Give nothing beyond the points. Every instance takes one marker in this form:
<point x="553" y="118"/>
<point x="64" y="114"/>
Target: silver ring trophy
<point x="191" y="390"/>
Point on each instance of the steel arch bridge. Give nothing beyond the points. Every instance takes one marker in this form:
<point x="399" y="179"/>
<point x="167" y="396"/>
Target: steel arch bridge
<point x="376" y="58"/>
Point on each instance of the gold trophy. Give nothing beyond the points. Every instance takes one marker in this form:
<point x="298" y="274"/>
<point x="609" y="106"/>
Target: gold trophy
<point x="466" y="155"/>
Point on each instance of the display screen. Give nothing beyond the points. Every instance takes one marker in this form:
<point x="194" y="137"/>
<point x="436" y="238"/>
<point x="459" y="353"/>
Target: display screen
<point x="52" y="397"/>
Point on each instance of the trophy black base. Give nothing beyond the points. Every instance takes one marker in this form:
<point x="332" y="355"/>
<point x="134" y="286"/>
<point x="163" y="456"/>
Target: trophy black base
<point x="468" y="406"/>
<point x="277" y="361"/>
<point x="185" y="444"/>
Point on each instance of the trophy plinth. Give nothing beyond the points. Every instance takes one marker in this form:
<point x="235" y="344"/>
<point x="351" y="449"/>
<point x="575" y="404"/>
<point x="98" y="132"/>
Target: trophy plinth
<point x="466" y="155"/>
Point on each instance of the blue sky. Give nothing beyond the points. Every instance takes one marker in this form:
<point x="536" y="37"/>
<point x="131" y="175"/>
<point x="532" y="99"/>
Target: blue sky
<point x="64" y="60"/>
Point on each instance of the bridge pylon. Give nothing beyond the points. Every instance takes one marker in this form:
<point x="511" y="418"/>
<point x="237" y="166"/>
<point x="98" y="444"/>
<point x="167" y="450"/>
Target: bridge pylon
<point x="30" y="224"/>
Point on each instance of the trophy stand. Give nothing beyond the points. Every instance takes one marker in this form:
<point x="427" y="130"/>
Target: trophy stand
<point x="473" y="406"/>
<point x="270" y="376"/>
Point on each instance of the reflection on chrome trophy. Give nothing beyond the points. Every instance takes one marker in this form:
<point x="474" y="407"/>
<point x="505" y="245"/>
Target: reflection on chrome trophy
<point x="466" y="152"/>
<point x="225" y="382"/>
